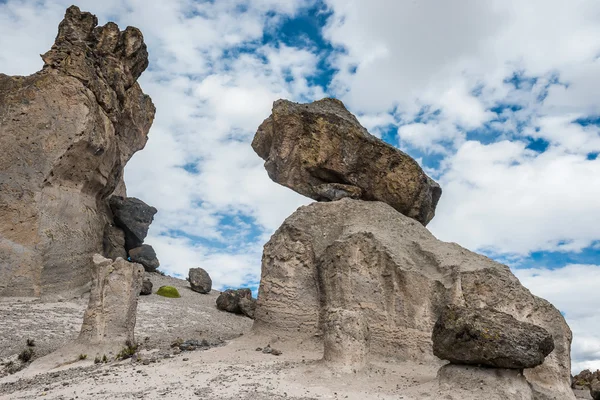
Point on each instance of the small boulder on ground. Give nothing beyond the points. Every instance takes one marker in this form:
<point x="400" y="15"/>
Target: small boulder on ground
<point x="134" y="217"/>
<point x="237" y="301"/>
<point x="146" y="256"/>
<point x="146" y="288"/>
<point x="484" y="336"/>
<point x="199" y="280"/>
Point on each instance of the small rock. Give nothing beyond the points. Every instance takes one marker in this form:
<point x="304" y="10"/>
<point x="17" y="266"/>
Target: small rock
<point x="146" y="289"/>
<point x="199" y="280"/>
<point x="146" y="256"/>
<point x="275" y="352"/>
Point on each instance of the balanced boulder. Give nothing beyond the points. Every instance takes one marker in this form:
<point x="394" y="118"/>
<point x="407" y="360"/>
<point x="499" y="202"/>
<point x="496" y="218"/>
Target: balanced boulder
<point x="320" y="150"/>
<point x="199" y="280"/>
<point x="484" y="336"/>
<point x="146" y="256"/>
<point x="134" y="217"/>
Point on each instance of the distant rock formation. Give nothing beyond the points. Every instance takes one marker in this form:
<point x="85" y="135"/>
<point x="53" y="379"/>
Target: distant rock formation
<point x="66" y="133"/>
<point x="320" y="150"/>
<point x="111" y="314"/>
<point x="367" y="258"/>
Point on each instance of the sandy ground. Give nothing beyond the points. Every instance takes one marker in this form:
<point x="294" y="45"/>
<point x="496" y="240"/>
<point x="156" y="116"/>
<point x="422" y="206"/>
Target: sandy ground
<point x="233" y="369"/>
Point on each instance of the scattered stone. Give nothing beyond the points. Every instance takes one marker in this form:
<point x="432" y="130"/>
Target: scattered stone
<point x="186" y="359"/>
<point x="67" y="133"/>
<point x="134" y="217"/>
<point x="146" y="288"/>
<point x="231" y="299"/>
<point x="275" y="352"/>
<point x="111" y="313"/>
<point x="168" y="291"/>
<point x="267" y="350"/>
<point x="199" y="280"/>
<point x="146" y="256"/>
<point x="320" y="150"/>
<point x="484" y="336"/>
<point x="346" y="339"/>
<point x="259" y="349"/>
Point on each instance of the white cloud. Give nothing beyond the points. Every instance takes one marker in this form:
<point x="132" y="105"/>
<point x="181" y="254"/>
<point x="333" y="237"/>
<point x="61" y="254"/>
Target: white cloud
<point x="573" y="289"/>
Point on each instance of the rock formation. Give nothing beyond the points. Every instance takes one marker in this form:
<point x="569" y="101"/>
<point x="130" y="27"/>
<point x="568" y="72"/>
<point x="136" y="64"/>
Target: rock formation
<point x="111" y="314"/>
<point x="237" y="301"/>
<point x="367" y="257"/>
<point x="199" y="280"/>
<point x="66" y="133"/>
<point x="321" y="151"/>
<point x="588" y="382"/>
<point x="346" y="339"/>
<point x="134" y="217"/>
<point x="486" y="337"/>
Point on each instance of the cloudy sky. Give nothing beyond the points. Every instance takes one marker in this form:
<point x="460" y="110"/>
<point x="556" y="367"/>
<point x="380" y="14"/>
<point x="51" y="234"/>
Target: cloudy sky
<point x="497" y="99"/>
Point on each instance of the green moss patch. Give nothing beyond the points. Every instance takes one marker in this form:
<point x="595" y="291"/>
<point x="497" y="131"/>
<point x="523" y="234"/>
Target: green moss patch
<point x="168" y="291"/>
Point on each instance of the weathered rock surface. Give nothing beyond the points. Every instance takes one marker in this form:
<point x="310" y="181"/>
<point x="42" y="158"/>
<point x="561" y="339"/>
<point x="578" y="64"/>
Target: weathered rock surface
<point x="459" y="382"/>
<point x="114" y="242"/>
<point x="320" y="150"/>
<point x="345" y="339"/>
<point x="111" y="313"/>
<point x="231" y="300"/>
<point x="146" y="256"/>
<point x="134" y="217"/>
<point x="66" y="133"/>
<point x="199" y="280"/>
<point x="146" y="288"/>
<point x="588" y="381"/>
<point x="367" y="257"/>
<point x="483" y="336"/>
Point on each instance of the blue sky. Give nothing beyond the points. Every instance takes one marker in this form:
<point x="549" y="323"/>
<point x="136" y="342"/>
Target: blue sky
<point x="497" y="100"/>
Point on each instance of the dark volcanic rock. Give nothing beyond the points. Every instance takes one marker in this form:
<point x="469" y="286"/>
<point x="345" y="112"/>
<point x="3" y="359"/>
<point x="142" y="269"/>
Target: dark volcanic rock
<point x="146" y="288"/>
<point x="134" y="217"/>
<point x="199" y="280"/>
<point x="146" y="256"/>
<point x="484" y="336"/>
<point x="247" y="306"/>
<point x="320" y="150"/>
<point x="229" y="300"/>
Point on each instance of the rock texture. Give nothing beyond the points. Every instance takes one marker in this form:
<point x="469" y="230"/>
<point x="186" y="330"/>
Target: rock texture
<point x="320" y="150"/>
<point x="146" y="288"/>
<point x="146" y="256"/>
<point x="459" y="382"/>
<point x="367" y="257"/>
<point x="111" y="313"/>
<point x="134" y="217"/>
<point x="346" y="340"/>
<point x="199" y="280"/>
<point x="237" y="301"/>
<point x="66" y="133"/>
<point x="483" y="336"/>
<point x="588" y="381"/>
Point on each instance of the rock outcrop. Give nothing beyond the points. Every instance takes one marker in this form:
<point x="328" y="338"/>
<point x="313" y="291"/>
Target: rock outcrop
<point x="320" y="150"/>
<point x="66" y="133"/>
<point x="237" y="301"/>
<point x="199" y="280"/>
<point x="366" y="257"/>
<point x="486" y="337"/>
<point x="111" y="314"/>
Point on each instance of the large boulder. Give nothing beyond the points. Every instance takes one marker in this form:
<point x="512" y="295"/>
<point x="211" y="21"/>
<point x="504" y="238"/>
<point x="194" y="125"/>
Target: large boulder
<point x="367" y="257"/>
<point x="111" y="314"/>
<point x="146" y="256"/>
<point x="483" y="336"/>
<point x="134" y="217"/>
<point x="320" y="150"/>
<point x="199" y="280"/>
<point x="237" y="301"/>
<point x="66" y="133"/>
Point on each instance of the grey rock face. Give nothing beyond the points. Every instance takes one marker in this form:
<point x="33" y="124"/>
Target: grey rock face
<point x="346" y="339"/>
<point x="483" y="336"/>
<point x="134" y="217"/>
<point x="321" y="151"/>
<point x="367" y="257"/>
<point x="111" y="313"/>
<point x="146" y="288"/>
<point x="66" y="134"/>
<point x="230" y="299"/>
<point x="146" y="256"/>
<point x="199" y="280"/>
